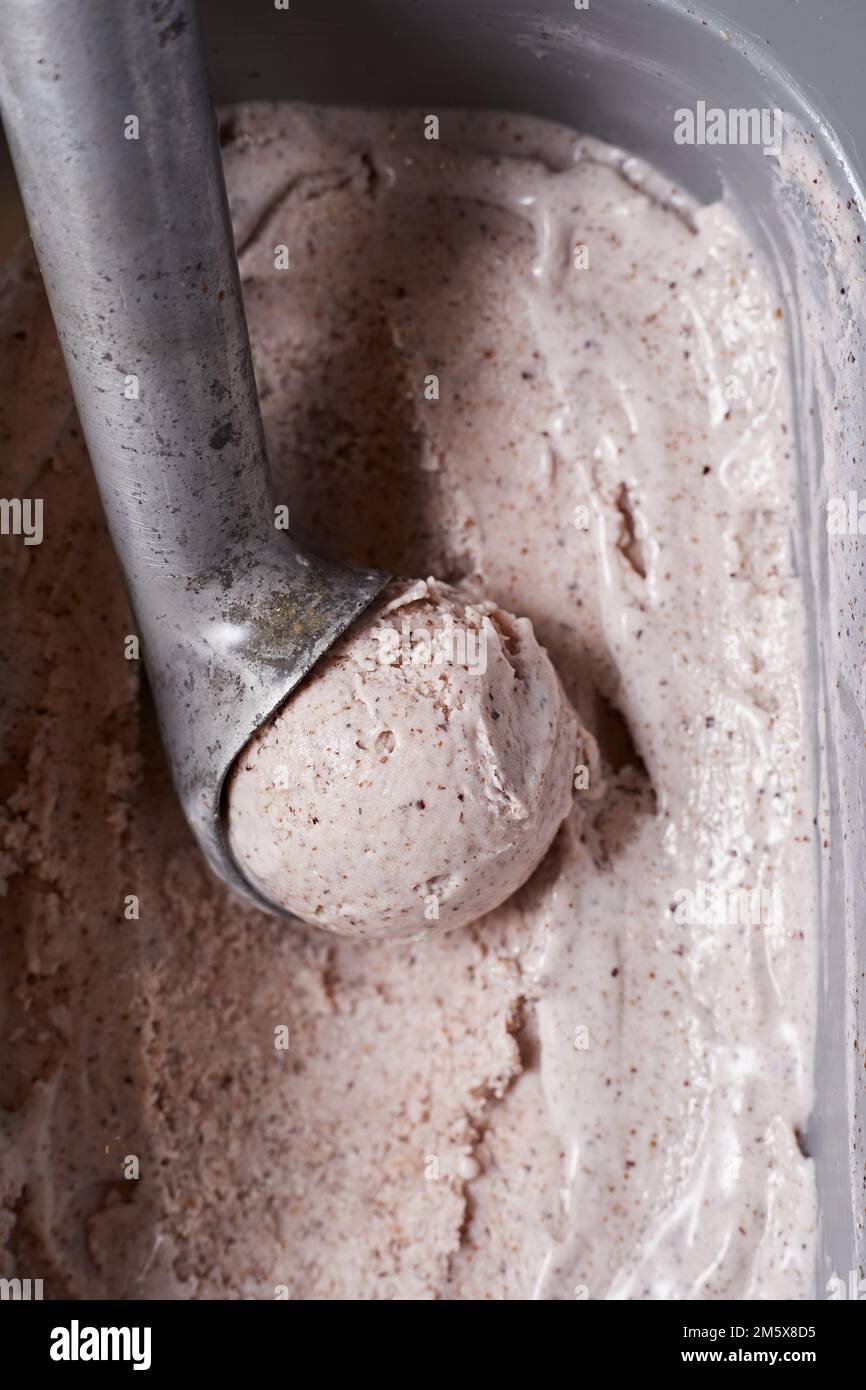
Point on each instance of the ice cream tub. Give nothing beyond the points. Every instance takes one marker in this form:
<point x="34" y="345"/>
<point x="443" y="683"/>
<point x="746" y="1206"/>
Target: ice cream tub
<point x="760" y="106"/>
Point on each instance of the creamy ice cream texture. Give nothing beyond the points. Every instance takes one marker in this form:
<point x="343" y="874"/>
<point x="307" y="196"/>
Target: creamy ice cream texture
<point x="599" y="1089"/>
<point x="416" y="778"/>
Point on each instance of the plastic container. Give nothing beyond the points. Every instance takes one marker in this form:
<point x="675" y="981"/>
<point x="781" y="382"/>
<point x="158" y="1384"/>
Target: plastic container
<point x="620" y="69"/>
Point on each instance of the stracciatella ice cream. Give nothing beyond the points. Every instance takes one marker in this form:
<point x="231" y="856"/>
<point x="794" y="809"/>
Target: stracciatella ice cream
<point x="521" y="362"/>
<point x="416" y="778"/>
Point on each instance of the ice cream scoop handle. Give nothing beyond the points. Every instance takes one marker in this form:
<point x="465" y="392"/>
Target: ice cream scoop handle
<point x="108" y="115"/>
<point x="111" y="128"/>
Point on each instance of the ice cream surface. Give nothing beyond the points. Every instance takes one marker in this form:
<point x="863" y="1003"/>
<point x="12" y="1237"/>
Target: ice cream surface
<point x="522" y="362"/>
<point x="417" y="776"/>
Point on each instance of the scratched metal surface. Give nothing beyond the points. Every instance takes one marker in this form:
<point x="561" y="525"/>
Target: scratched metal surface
<point x="135" y="246"/>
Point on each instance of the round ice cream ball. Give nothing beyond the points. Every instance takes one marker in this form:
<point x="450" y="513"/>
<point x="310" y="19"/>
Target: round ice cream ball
<point x="416" y="777"/>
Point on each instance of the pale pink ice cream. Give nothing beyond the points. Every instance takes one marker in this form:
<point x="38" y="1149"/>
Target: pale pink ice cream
<point x="416" y="778"/>
<point x="596" y="1091"/>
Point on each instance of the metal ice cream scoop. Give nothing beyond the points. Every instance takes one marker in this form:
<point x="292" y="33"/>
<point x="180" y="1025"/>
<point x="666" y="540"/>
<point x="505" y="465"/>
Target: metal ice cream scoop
<point x="114" y="139"/>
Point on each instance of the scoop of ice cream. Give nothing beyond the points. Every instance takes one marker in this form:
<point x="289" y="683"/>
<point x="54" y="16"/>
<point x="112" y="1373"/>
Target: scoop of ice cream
<point x="416" y="778"/>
